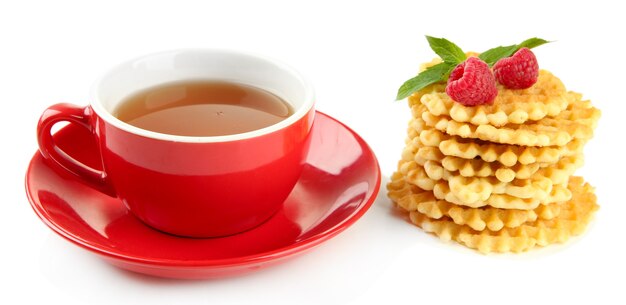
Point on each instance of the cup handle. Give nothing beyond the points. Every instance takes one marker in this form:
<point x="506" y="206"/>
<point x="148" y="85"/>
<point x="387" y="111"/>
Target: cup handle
<point x="74" y="115"/>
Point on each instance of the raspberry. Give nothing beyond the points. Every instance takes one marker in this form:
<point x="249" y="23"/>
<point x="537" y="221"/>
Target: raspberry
<point x="519" y="71"/>
<point x="471" y="83"/>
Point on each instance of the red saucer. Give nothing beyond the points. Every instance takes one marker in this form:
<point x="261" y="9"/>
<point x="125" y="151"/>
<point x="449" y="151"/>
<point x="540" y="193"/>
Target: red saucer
<point x="339" y="183"/>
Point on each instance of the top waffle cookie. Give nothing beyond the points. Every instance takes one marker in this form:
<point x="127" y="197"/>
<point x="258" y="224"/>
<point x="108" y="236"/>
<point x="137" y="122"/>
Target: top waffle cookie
<point x="547" y="98"/>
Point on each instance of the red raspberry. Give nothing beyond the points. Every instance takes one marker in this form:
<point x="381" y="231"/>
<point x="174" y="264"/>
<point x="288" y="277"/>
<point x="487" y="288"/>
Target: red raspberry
<point x="471" y="83"/>
<point x="519" y="71"/>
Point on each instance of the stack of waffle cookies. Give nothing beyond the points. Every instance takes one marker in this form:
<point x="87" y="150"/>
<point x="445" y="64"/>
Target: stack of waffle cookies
<point x="498" y="178"/>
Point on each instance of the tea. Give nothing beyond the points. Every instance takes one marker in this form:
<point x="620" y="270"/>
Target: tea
<point x="203" y="108"/>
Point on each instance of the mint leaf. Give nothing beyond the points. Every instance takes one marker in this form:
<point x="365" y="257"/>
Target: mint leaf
<point x="532" y="43"/>
<point x="448" y="51"/>
<point x="492" y="56"/>
<point x="429" y="76"/>
<point x="451" y="54"/>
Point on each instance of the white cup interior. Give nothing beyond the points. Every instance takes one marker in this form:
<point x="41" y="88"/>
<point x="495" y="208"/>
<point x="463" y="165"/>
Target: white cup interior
<point x="171" y="66"/>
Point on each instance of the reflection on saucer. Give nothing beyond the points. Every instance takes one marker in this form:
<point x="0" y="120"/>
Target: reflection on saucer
<point x="347" y="148"/>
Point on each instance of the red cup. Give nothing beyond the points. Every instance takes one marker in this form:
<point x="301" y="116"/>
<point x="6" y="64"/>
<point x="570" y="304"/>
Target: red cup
<point x="183" y="185"/>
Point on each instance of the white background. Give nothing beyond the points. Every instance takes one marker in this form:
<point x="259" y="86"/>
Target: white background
<point x="357" y="54"/>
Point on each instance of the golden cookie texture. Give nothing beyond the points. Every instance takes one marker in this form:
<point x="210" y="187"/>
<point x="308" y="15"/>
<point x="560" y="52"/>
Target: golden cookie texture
<point x="546" y="132"/>
<point x="412" y="198"/>
<point x="572" y="219"/>
<point x="507" y="155"/>
<point x="577" y="121"/>
<point x="476" y="197"/>
<point x="438" y="165"/>
<point x="547" y="98"/>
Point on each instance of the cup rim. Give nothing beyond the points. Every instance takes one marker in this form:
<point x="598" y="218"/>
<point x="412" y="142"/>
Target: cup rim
<point x="309" y="99"/>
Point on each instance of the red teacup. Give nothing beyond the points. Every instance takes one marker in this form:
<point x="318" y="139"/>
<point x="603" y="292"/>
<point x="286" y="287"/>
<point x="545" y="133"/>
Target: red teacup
<point x="191" y="186"/>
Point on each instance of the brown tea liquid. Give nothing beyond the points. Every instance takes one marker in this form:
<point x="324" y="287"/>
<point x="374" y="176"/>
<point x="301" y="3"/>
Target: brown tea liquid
<point x="203" y="108"/>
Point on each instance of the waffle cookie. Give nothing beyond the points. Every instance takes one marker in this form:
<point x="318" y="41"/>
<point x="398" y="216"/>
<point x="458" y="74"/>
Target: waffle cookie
<point x="576" y="122"/>
<point x="546" y="132"/>
<point x="438" y="165"/>
<point x="504" y="201"/>
<point x="547" y="98"/>
<point x="475" y="197"/>
<point x="572" y="220"/>
<point x="412" y="198"/>
<point x="478" y="168"/>
<point x="507" y="155"/>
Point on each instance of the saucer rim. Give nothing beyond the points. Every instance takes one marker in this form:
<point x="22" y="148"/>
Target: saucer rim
<point x="257" y="258"/>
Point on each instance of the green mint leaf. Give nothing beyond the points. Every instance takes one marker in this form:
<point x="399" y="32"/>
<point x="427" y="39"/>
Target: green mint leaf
<point x="532" y="43"/>
<point x="448" y="51"/>
<point x="429" y="76"/>
<point x="492" y="56"/>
